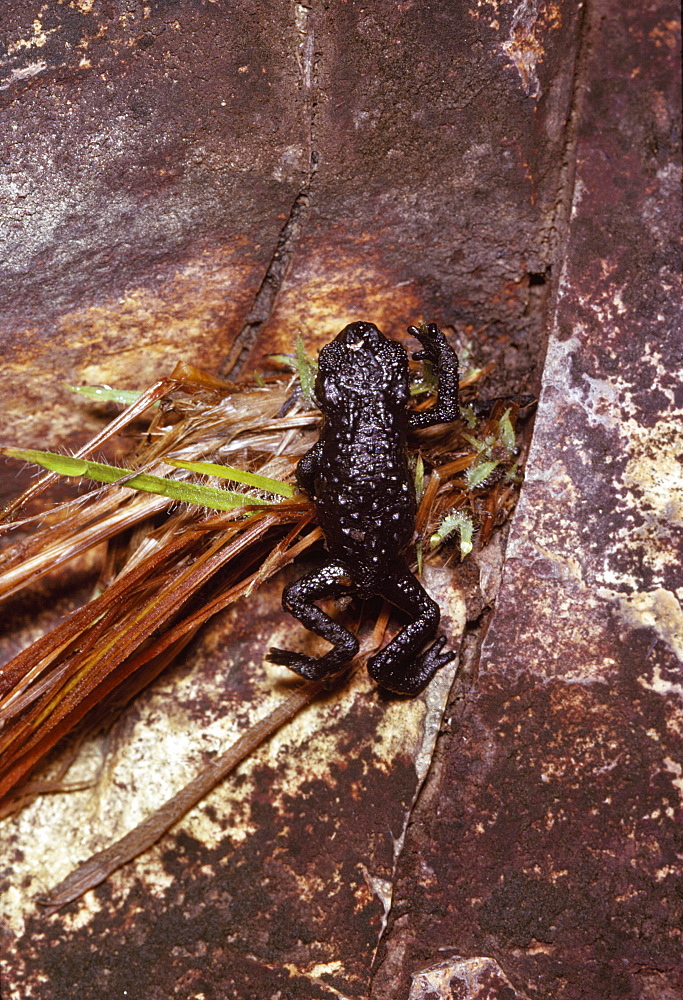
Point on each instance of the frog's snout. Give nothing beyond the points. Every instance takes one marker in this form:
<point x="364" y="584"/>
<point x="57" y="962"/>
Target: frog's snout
<point x="361" y="335"/>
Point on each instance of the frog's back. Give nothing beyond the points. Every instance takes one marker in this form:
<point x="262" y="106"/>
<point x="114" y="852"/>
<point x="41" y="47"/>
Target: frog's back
<point x="362" y="388"/>
<point x="364" y="493"/>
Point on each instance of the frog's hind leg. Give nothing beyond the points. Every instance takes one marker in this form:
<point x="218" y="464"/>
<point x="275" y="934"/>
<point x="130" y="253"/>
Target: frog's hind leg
<point x="401" y="666"/>
<point x="331" y="581"/>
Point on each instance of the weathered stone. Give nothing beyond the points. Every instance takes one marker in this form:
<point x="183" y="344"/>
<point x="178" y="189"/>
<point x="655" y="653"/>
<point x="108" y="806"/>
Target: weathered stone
<point x="550" y="838"/>
<point x="406" y="160"/>
<point x="464" y="979"/>
<point x="150" y="158"/>
<point x="438" y="171"/>
<point x="280" y="880"/>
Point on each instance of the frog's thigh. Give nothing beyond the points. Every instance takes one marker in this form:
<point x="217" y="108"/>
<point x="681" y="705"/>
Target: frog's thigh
<point x="331" y="580"/>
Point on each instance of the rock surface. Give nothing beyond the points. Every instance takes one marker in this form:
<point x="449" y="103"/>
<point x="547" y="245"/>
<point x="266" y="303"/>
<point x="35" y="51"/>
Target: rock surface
<point x="200" y="179"/>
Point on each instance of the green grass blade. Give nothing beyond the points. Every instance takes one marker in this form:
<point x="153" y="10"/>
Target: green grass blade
<point x="237" y="475"/>
<point x="305" y="367"/>
<point x="104" y="394"/>
<point x="202" y="496"/>
<point x="308" y="370"/>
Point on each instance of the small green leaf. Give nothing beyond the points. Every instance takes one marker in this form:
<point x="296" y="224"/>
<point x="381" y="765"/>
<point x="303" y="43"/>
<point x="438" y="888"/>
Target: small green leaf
<point x="202" y="496"/>
<point x="456" y="520"/>
<point x="285" y="359"/>
<point x="426" y="382"/>
<point x="513" y="475"/>
<point x="419" y="477"/>
<point x="506" y="432"/>
<point x="305" y="367"/>
<point x="418" y="387"/>
<point x="469" y="416"/>
<point x="236" y="475"/>
<point x="476" y="444"/>
<point x="307" y="371"/>
<point x="104" y="394"/>
<point x="477" y="474"/>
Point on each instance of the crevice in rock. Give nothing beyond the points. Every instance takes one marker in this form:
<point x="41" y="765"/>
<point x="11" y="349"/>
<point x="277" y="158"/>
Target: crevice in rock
<point x="561" y="214"/>
<point x="264" y="300"/>
<point x="387" y="973"/>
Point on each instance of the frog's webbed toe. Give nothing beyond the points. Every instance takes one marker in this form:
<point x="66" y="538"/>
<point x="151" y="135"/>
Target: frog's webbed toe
<point x="311" y="668"/>
<point x="297" y="662"/>
<point x="411" y="679"/>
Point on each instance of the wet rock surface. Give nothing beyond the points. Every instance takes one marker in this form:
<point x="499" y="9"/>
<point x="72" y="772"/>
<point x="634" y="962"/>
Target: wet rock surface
<point x="193" y="181"/>
<point x="550" y="836"/>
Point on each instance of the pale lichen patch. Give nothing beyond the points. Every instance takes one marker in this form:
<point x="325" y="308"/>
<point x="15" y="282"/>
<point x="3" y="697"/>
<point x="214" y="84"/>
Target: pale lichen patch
<point x="659" y="610"/>
<point x="673" y="767"/>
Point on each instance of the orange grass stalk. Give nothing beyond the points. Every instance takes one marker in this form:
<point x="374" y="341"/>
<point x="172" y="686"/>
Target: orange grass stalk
<point x="141" y="614"/>
<point x="145" y="613"/>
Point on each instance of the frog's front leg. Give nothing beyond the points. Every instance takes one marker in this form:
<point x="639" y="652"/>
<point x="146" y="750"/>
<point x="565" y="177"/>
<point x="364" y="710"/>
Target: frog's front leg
<point x="332" y="580"/>
<point x="440" y="354"/>
<point x="307" y="469"/>
<point x="401" y="666"/>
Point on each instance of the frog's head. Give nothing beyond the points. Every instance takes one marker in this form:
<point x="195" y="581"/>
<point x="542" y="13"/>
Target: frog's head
<point x="357" y="337"/>
<point x="364" y="364"/>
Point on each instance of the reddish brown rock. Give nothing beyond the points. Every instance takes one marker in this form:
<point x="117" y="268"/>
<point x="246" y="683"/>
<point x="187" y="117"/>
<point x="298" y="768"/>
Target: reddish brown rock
<point x="550" y="836"/>
<point x="400" y="160"/>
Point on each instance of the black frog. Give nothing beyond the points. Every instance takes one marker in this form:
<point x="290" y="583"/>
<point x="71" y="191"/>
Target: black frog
<point x="359" y="479"/>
